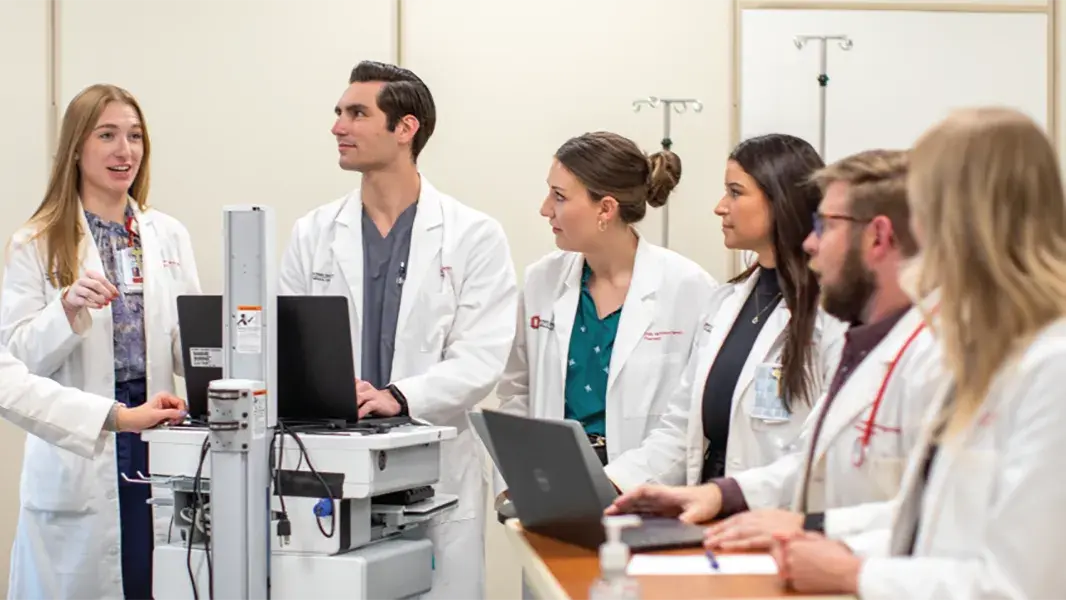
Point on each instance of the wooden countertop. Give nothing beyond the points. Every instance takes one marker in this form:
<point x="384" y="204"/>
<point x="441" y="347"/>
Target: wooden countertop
<point x="555" y="569"/>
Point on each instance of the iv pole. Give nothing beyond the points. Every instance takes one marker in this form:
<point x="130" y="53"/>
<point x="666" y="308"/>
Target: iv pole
<point x="679" y="105"/>
<point x="823" y="77"/>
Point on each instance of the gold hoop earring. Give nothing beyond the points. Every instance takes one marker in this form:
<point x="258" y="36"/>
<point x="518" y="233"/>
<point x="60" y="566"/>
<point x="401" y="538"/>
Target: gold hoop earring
<point x="602" y="225"/>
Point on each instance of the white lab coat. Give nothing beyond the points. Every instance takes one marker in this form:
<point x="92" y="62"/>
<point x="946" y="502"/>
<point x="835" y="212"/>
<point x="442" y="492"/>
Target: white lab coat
<point x="660" y="317"/>
<point x="991" y="511"/>
<point x="67" y="541"/>
<point x="835" y="482"/>
<point x="454" y="330"/>
<point x="674" y="451"/>
<point x="68" y="418"/>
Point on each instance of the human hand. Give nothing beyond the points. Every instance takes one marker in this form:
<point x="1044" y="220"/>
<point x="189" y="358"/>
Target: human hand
<point x="93" y="290"/>
<point x="752" y="530"/>
<point x="810" y="563"/>
<point x="162" y="407"/>
<point x="371" y="400"/>
<point x="690" y="504"/>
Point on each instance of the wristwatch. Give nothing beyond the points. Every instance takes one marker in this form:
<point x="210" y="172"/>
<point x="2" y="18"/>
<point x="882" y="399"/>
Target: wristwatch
<point x="400" y="399"/>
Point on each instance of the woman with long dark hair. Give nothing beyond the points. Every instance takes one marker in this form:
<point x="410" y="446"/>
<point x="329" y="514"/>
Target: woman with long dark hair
<point x="766" y="350"/>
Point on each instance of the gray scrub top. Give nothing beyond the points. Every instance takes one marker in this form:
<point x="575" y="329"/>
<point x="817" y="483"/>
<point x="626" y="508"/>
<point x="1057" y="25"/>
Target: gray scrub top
<point x="384" y="271"/>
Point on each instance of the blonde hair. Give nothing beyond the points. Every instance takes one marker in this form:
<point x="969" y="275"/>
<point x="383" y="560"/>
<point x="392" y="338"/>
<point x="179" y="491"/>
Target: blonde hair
<point x="987" y="195"/>
<point x="57" y="221"/>
<point x="877" y="185"/>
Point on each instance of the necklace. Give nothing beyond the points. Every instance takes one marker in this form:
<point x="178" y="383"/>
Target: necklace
<point x="758" y="312"/>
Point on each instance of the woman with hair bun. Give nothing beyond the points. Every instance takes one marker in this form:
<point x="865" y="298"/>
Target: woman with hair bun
<point x="607" y="321"/>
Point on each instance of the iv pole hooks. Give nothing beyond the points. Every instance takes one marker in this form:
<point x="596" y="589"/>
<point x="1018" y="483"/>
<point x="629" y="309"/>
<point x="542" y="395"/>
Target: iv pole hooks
<point x="678" y="105"/>
<point x="845" y="43"/>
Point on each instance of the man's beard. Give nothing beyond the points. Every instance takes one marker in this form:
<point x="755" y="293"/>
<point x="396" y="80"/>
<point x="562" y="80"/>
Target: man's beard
<point x="847" y="299"/>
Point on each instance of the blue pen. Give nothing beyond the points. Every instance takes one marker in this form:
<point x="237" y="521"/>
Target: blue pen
<point x="711" y="559"/>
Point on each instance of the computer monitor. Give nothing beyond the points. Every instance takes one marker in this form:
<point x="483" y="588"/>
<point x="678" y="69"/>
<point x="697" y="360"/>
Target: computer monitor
<point x="200" y="319"/>
<point x="316" y="367"/>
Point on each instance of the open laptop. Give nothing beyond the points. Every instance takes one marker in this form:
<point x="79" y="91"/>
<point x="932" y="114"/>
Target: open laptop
<point x="558" y="487"/>
<point x="477" y="420"/>
<point x="315" y="370"/>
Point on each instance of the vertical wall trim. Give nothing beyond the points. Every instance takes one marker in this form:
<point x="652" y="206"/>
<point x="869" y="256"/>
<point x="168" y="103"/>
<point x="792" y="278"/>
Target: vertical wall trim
<point x="398" y="15"/>
<point x="1053" y="45"/>
<point x="53" y="80"/>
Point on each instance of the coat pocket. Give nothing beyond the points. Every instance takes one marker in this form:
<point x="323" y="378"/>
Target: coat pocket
<point x="55" y="480"/>
<point x="438" y="316"/>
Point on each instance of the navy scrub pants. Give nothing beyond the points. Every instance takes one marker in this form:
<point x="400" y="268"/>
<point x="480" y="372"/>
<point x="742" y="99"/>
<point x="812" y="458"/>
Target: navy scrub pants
<point x="135" y="514"/>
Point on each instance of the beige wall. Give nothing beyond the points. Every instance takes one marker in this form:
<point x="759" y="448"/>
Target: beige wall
<point x="243" y="114"/>
<point x="24" y="161"/>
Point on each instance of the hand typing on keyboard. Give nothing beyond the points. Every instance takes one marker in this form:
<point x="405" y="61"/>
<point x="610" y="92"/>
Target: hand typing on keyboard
<point x="690" y="504"/>
<point x="380" y="403"/>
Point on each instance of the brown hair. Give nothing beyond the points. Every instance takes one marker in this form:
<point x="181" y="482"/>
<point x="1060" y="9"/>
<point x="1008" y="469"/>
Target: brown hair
<point x="781" y="166"/>
<point x="608" y="164"/>
<point x="877" y="182"/>
<point x="404" y="93"/>
<point x="57" y="221"/>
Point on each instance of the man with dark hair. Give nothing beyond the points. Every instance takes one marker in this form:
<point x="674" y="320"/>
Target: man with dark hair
<point x="431" y="289"/>
<point x="848" y="465"/>
<point x="401" y="93"/>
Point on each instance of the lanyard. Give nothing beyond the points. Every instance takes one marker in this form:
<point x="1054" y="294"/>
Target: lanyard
<point x="133" y="231"/>
<point x="859" y="456"/>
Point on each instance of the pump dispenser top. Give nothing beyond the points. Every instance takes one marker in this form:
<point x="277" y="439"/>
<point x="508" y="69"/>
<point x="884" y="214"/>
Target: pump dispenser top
<point x="614" y="554"/>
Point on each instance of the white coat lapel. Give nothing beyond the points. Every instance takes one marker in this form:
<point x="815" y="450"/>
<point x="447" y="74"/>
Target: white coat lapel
<point x="97" y="351"/>
<point x="637" y="311"/>
<point x="860" y="391"/>
<point x="722" y="320"/>
<point x="563" y="311"/>
<point x="347" y="248"/>
<point x="152" y="267"/>
<point x="427" y="240"/>
<point x="775" y="325"/>
<point x="911" y="492"/>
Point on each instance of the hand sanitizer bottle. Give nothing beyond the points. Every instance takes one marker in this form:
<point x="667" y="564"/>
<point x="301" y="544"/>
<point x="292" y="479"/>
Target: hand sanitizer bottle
<point x="613" y="583"/>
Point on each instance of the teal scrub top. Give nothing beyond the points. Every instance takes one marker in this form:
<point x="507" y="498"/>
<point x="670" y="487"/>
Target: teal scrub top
<point x="591" y="343"/>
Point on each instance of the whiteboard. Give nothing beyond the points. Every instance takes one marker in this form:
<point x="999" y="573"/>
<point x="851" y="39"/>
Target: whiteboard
<point x="905" y="71"/>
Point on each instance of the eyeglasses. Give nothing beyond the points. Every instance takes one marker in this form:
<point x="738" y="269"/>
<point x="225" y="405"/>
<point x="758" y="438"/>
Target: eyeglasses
<point x="820" y="219"/>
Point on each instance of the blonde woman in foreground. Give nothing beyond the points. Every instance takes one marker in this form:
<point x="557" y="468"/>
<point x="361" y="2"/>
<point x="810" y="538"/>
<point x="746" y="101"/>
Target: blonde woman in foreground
<point x="981" y="505"/>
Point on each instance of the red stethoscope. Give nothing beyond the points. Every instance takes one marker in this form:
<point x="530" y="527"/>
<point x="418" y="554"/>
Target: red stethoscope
<point x="862" y="443"/>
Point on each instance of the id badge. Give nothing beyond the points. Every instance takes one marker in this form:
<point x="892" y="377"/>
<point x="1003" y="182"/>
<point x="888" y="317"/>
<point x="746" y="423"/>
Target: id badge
<point x="129" y="264"/>
<point x="769" y="405"/>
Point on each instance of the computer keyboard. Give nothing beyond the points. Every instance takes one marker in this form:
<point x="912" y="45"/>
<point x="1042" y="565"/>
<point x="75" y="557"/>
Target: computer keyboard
<point x="406" y="497"/>
<point x="662" y="533"/>
<point x="386" y="421"/>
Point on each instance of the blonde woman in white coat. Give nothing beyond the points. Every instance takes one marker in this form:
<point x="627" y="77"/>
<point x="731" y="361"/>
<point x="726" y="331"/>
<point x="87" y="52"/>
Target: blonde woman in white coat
<point x="765" y="350"/>
<point x="88" y="300"/>
<point x="980" y="510"/>
<point x="606" y="323"/>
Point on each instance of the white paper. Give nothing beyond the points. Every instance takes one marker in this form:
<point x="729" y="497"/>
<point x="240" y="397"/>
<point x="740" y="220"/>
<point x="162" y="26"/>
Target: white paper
<point x="249" y="330"/>
<point x="206" y="358"/>
<point x="698" y="564"/>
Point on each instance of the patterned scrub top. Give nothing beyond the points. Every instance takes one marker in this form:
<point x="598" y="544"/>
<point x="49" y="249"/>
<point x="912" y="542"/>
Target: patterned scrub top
<point x="127" y="311"/>
<point x="591" y="344"/>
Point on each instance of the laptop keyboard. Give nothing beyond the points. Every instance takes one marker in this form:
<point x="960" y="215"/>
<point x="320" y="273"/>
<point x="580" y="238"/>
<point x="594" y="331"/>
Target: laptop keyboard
<point x="659" y="533"/>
